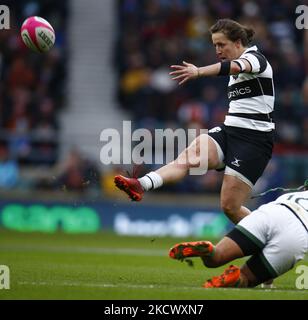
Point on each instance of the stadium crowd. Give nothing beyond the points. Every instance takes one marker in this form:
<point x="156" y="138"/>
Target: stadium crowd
<point x="154" y="34"/>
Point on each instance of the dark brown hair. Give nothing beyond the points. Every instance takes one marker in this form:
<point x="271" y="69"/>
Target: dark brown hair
<point x="233" y="31"/>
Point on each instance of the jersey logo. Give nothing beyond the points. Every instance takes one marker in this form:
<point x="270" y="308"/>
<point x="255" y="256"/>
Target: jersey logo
<point x="239" y="92"/>
<point x="236" y="162"/>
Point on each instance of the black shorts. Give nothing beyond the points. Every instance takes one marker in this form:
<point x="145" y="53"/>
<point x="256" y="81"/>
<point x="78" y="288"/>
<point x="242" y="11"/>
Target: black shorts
<point x="245" y="151"/>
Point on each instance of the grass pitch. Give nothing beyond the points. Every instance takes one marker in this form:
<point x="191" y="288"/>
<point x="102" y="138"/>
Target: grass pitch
<point x="108" y="267"/>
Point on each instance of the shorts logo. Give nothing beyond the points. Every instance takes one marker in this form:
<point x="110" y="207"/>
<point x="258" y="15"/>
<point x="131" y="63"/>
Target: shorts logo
<point x="236" y="162"/>
<point x="214" y="130"/>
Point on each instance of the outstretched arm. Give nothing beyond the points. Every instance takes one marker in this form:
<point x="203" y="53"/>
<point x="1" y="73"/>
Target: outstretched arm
<point x="188" y="71"/>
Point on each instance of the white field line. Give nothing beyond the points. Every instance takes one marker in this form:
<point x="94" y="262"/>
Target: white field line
<point x="141" y="286"/>
<point x="87" y="250"/>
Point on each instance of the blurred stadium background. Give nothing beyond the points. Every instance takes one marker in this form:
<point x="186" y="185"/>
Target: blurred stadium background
<point x="110" y="63"/>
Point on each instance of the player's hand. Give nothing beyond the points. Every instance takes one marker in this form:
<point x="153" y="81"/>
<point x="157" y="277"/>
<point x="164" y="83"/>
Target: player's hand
<point x="184" y="73"/>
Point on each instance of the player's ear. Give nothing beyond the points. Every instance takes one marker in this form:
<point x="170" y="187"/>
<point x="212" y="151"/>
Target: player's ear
<point x="238" y="43"/>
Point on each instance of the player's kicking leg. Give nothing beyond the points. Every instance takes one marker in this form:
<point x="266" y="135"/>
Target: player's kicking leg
<point x="173" y="171"/>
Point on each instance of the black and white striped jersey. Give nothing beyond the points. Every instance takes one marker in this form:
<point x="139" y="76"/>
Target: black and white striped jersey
<point x="251" y="95"/>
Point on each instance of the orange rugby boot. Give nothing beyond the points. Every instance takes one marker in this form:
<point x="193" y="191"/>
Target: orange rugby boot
<point x="191" y="249"/>
<point x="230" y="278"/>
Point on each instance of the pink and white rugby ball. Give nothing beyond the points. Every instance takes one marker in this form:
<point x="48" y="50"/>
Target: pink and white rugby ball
<point x="38" y="34"/>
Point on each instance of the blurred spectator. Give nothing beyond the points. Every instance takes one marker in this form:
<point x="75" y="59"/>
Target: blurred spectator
<point x="76" y="173"/>
<point x="9" y="172"/>
<point x="289" y="116"/>
<point x="20" y="75"/>
<point x="107" y="182"/>
<point x="305" y="115"/>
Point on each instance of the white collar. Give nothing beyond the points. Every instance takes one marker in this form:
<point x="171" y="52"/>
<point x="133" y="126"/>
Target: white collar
<point x="254" y="48"/>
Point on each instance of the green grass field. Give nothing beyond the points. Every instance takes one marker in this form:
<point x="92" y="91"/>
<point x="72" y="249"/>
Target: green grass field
<point x="105" y="266"/>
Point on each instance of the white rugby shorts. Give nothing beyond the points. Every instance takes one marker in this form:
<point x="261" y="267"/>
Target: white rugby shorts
<point x="281" y="234"/>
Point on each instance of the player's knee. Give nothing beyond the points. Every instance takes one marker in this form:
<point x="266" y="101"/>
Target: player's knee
<point x="185" y="163"/>
<point x="189" y="158"/>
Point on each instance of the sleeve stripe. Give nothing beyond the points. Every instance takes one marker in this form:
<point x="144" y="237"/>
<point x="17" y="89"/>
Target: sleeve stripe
<point x="248" y="62"/>
<point x="241" y="64"/>
<point x="261" y="59"/>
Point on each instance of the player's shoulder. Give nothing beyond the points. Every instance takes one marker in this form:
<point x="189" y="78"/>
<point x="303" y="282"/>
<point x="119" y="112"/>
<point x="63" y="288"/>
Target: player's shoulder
<point x="259" y="63"/>
<point x="253" y="52"/>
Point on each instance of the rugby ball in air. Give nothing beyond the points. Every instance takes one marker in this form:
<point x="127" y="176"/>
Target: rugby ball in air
<point x="38" y="34"/>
